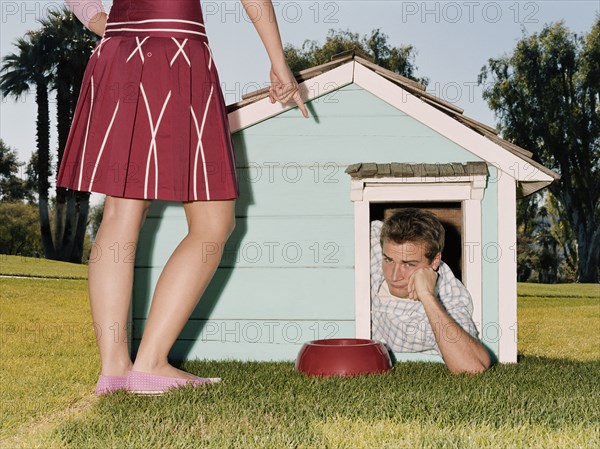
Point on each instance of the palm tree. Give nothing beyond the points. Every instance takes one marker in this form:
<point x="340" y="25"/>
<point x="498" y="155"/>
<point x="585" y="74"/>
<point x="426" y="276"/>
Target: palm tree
<point x="20" y="72"/>
<point x="53" y="57"/>
<point x="72" y="45"/>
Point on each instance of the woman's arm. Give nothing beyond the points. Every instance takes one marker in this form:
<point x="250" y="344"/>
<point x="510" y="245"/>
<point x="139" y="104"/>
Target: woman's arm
<point x="283" y="83"/>
<point x="89" y="12"/>
<point x="98" y="23"/>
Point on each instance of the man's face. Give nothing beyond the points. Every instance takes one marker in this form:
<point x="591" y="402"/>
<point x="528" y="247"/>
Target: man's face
<point x="400" y="261"/>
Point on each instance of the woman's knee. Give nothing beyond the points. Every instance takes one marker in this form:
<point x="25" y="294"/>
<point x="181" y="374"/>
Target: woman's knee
<point x="213" y="220"/>
<point x="217" y="229"/>
<point x="130" y="211"/>
<point x="230" y="225"/>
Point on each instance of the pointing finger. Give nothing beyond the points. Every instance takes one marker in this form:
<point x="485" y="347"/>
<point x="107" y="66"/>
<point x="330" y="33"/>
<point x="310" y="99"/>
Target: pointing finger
<point x="301" y="105"/>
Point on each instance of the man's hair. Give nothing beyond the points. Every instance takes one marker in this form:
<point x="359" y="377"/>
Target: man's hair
<point x="415" y="226"/>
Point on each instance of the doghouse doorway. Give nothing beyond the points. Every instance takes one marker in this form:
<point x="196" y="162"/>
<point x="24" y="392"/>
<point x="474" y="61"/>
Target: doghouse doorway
<point x="377" y="187"/>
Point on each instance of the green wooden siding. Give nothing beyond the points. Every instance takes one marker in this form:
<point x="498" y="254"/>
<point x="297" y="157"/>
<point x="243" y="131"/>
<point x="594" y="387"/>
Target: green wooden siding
<point x="262" y="241"/>
<point x="264" y="293"/>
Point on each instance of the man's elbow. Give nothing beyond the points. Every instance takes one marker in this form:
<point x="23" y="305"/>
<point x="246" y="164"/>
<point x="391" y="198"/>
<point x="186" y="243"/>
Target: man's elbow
<point x="476" y="365"/>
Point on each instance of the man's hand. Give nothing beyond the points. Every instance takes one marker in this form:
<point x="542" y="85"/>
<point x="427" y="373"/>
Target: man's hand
<point x="284" y="88"/>
<point x="461" y="352"/>
<point x="421" y="284"/>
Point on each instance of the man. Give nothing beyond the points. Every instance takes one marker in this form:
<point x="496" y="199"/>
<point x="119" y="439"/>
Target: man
<point x="418" y="305"/>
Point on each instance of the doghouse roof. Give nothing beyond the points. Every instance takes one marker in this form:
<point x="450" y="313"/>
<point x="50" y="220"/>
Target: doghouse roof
<point x="401" y="170"/>
<point x="410" y="97"/>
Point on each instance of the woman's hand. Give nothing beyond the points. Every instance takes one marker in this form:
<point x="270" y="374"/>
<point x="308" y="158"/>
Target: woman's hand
<point x="285" y="88"/>
<point x="283" y="84"/>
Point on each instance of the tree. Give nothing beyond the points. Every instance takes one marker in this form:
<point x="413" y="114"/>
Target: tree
<point x="527" y="254"/>
<point x="12" y="187"/>
<point x="72" y="46"/>
<point x="397" y="59"/>
<point x="22" y="71"/>
<point x="96" y="213"/>
<point x="53" y="57"/>
<point x="565" y="239"/>
<point x="19" y="229"/>
<point x="546" y="98"/>
<point x="31" y="176"/>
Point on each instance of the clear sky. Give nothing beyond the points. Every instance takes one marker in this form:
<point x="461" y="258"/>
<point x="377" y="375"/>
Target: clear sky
<point x="454" y="39"/>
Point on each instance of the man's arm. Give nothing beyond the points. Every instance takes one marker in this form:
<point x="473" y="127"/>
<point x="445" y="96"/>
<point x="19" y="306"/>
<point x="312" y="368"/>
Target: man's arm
<point x="461" y="352"/>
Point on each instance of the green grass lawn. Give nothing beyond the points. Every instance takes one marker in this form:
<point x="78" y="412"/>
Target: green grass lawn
<point x="32" y="267"/>
<point x="48" y="358"/>
<point x="559" y="321"/>
<point x="49" y="367"/>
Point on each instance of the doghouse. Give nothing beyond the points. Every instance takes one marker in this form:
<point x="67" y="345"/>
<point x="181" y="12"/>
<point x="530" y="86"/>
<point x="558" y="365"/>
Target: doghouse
<point x="297" y="265"/>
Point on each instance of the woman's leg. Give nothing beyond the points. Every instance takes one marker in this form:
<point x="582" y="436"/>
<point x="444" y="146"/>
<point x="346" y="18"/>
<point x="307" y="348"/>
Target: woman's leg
<point x="183" y="281"/>
<point x="110" y="279"/>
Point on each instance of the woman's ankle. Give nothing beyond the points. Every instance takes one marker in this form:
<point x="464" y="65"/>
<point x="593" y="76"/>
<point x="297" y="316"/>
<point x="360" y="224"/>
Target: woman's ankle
<point x="149" y="366"/>
<point x="116" y="369"/>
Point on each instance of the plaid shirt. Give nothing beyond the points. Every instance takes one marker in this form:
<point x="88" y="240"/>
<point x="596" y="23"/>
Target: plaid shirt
<point x="403" y="325"/>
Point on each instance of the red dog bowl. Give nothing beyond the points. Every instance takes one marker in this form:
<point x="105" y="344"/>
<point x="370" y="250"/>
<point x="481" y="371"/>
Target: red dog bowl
<point x="343" y="357"/>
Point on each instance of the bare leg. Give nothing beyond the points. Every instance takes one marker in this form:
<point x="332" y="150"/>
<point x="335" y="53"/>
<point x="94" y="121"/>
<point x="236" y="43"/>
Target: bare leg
<point x="182" y="281"/>
<point x="110" y="279"/>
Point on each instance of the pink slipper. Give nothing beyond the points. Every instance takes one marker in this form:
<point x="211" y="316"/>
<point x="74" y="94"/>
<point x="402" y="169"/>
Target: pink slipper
<point x="108" y="384"/>
<point x="145" y="383"/>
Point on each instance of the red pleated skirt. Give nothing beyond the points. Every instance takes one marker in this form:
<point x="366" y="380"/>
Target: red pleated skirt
<point x="151" y="121"/>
